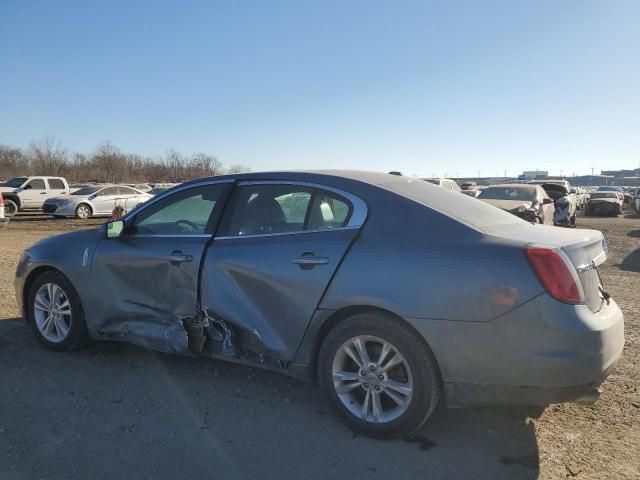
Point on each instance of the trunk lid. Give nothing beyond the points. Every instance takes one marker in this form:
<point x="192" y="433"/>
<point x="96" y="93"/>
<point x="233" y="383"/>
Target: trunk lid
<point x="587" y="250"/>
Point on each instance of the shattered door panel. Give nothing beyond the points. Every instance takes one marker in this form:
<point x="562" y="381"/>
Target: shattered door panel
<point x="148" y="288"/>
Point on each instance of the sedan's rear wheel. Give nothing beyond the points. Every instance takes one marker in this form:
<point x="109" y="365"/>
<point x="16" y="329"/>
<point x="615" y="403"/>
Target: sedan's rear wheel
<point x="54" y="311"/>
<point x="380" y="377"/>
<point x="83" y="211"/>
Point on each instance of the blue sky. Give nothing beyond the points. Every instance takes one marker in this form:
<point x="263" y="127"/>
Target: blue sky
<point x="422" y="87"/>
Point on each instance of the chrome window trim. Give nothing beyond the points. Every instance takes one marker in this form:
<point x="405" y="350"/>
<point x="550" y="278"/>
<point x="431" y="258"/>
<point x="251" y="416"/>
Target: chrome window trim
<point x="358" y="214"/>
<point x="163" y="195"/>
<point x="198" y="235"/>
<point x="283" y="234"/>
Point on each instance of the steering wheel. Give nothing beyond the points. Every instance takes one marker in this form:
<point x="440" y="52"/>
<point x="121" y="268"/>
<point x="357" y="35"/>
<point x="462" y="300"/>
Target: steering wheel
<point x="188" y="224"/>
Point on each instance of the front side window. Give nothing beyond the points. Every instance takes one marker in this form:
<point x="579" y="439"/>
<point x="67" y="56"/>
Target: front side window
<point x="276" y="209"/>
<point x="187" y="212"/>
<point x="107" y="192"/>
<point x="36" y="184"/>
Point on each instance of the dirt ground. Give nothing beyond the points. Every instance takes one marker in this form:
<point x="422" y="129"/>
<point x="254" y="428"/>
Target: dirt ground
<point x="113" y="411"/>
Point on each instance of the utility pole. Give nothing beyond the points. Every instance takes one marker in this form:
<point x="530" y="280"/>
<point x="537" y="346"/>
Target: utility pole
<point x="592" y="171"/>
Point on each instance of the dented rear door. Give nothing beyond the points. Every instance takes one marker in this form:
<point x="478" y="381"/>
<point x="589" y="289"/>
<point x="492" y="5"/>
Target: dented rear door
<point x="278" y="249"/>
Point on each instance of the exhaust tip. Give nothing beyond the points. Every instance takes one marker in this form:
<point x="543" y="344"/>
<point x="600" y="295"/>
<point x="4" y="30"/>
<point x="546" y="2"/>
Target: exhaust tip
<point x="590" y="398"/>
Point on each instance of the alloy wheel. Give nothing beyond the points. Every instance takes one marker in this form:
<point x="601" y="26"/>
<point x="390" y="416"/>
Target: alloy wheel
<point x="83" y="211"/>
<point x="372" y="379"/>
<point x="52" y="312"/>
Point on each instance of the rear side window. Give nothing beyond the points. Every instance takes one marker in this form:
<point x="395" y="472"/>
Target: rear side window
<point x="268" y="209"/>
<point x="273" y="209"/>
<point x="56" y="184"/>
<point x="328" y="211"/>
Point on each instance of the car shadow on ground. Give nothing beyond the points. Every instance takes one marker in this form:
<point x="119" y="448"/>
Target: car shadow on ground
<point x="112" y="410"/>
<point x="631" y="262"/>
<point x="634" y="234"/>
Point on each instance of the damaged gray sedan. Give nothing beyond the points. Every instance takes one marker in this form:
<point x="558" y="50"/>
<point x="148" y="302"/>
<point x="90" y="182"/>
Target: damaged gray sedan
<point x="394" y="294"/>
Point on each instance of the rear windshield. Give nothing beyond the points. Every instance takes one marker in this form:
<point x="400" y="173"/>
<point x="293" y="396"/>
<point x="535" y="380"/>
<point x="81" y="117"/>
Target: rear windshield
<point x="604" y="195"/>
<point x="607" y="189"/>
<point x="508" y="193"/>
<point x="465" y="209"/>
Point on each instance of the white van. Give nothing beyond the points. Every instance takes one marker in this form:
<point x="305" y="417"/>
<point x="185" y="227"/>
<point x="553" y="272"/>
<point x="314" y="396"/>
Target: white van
<point x="444" y="182"/>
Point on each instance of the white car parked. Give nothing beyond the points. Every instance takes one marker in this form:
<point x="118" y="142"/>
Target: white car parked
<point x="95" y="201"/>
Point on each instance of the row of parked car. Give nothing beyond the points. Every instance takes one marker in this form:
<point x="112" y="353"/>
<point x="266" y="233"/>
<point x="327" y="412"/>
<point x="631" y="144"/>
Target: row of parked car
<point x="55" y="196"/>
<point x="549" y="201"/>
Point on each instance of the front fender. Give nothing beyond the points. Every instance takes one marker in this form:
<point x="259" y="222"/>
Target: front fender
<point x="71" y="254"/>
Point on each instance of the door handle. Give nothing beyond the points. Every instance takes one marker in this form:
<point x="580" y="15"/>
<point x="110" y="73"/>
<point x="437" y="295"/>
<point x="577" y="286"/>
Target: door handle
<point x="178" y="257"/>
<point x="309" y="260"/>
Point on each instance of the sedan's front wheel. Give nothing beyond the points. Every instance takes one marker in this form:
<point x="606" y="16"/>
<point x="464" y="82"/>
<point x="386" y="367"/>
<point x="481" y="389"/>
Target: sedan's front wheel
<point x="55" y="313"/>
<point x="380" y="377"/>
<point x="83" y="211"/>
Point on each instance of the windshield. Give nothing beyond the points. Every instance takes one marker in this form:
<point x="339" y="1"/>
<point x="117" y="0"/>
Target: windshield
<point x="15" y="182"/>
<point x="604" y="195"/>
<point x="86" y="191"/>
<point x="508" y="193"/>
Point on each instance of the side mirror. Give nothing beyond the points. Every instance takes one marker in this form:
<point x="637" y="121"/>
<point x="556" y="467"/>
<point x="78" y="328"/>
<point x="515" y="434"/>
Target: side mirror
<point x="547" y="201"/>
<point x="114" y="229"/>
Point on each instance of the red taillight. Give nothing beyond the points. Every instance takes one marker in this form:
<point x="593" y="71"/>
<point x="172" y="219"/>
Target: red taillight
<point x="554" y="274"/>
<point x="1" y="201"/>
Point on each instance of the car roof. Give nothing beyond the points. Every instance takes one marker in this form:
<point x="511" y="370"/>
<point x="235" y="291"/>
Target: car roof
<point x="528" y="186"/>
<point x="372" y="178"/>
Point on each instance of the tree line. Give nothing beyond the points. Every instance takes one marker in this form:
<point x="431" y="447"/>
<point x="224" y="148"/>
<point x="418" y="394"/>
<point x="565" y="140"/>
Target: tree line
<point x="107" y="164"/>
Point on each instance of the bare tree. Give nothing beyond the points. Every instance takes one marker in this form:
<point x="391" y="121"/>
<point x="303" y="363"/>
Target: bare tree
<point x="238" y="169"/>
<point x="107" y="164"/>
<point x="111" y="163"/>
<point x="12" y="162"/>
<point x="48" y="157"/>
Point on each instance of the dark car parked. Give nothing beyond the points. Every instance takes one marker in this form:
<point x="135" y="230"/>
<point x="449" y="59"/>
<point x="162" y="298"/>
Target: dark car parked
<point x="603" y="202"/>
<point x="529" y="202"/>
<point x="392" y="292"/>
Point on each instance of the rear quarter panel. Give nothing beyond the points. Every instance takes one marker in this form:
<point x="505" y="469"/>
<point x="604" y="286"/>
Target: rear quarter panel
<point x="419" y="263"/>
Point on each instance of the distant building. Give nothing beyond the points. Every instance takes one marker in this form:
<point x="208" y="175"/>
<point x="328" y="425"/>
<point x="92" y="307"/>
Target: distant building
<point x="533" y="175"/>
<point x="622" y="173"/>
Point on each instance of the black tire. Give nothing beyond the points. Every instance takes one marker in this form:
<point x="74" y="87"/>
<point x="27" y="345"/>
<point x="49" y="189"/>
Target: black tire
<point x="77" y="335"/>
<point x="10" y="208"/>
<point x="79" y="210"/>
<point x="427" y="384"/>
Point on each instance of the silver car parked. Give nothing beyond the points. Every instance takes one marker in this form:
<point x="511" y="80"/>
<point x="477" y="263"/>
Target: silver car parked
<point x="396" y="295"/>
<point x="98" y="200"/>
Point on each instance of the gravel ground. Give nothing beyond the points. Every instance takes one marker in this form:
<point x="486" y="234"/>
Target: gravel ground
<point x="114" y="411"/>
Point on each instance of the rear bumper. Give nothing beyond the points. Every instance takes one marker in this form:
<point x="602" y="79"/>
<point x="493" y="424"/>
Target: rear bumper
<point x="542" y="352"/>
